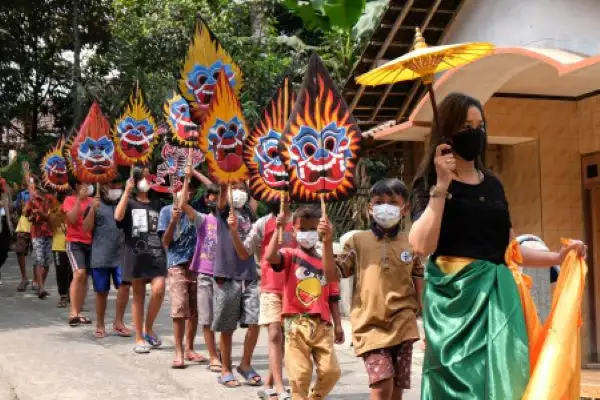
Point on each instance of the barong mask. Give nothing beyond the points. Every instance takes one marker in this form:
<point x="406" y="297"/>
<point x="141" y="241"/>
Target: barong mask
<point x="321" y="141"/>
<point x="184" y="131"/>
<point x="54" y="168"/>
<point x="135" y="133"/>
<point x="205" y="60"/>
<point x="268" y="175"/>
<point x="90" y="153"/>
<point x="223" y="134"/>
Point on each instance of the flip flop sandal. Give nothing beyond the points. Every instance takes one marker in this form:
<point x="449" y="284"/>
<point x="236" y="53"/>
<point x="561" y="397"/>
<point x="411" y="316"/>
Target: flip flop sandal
<point x="84" y="320"/>
<point x="250" y="376"/>
<point x="74" y="321"/>
<point x="217" y="368"/>
<point x="197" y="358"/>
<point x="229" y="381"/>
<point x="284" y="396"/>
<point x="142" y="348"/>
<point x="62" y="303"/>
<point x="153" y="341"/>
<point x="22" y="286"/>
<point x="267" y="394"/>
<point x="43" y="294"/>
<point x="100" y="334"/>
<point x="178" y="365"/>
<point x="122" y="332"/>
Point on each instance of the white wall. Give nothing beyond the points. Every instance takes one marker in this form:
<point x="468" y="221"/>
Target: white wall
<point x="572" y="25"/>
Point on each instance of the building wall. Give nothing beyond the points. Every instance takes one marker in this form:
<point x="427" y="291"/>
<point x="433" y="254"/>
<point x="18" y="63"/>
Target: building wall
<point x="530" y="23"/>
<point x="542" y="178"/>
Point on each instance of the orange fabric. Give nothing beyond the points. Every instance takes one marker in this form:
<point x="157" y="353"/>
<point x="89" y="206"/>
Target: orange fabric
<point x="555" y="348"/>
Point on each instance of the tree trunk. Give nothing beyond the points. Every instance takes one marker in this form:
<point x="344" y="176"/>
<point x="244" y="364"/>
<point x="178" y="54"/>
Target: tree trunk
<point x="76" y="71"/>
<point x="257" y="9"/>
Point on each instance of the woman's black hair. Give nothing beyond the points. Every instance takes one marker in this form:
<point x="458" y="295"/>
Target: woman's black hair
<point x="390" y="187"/>
<point x="453" y="114"/>
<point x="307" y="211"/>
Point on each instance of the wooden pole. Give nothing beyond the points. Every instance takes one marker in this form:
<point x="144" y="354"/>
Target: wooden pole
<point x="282" y="200"/>
<point x="323" y="206"/>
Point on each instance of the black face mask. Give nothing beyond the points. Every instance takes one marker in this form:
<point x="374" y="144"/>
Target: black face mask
<point x="468" y="143"/>
<point x="211" y="205"/>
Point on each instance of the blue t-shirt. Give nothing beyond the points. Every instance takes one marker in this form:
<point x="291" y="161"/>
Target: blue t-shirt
<point x="21" y="200"/>
<point x="181" y="249"/>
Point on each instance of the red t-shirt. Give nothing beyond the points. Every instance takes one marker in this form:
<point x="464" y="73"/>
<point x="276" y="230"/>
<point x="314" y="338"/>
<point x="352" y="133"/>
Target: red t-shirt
<point x="271" y="281"/>
<point x="306" y="290"/>
<point x="75" y="232"/>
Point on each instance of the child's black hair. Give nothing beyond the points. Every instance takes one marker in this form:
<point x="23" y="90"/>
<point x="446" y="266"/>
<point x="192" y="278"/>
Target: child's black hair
<point x="212" y="189"/>
<point x="138" y="174"/>
<point x="307" y="212"/>
<point x="390" y="187"/>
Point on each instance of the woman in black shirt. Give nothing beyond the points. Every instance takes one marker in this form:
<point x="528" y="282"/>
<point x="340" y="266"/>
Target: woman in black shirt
<point x="477" y="345"/>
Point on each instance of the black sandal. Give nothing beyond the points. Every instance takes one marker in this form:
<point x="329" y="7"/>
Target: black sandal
<point x="79" y="320"/>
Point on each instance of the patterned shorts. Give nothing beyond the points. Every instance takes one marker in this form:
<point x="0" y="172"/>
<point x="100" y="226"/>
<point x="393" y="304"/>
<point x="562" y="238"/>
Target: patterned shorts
<point x="392" y="362"/>
<point x="183" y="290"/>
<point x="23" y="243"/>
<point x="234" y="302"/>
<point x="42" y="251"/>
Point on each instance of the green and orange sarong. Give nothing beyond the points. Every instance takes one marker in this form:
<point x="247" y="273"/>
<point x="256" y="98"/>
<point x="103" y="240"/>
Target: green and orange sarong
<point x="484" y="337"/>
<point x="477" y="345"/>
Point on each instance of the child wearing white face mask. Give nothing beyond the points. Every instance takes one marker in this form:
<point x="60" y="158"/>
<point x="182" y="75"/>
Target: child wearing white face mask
<point x="105" y="262"/>
<point x="388" y="285"/>
<point x="309" y="305"/>
<point x="235" y="288"/>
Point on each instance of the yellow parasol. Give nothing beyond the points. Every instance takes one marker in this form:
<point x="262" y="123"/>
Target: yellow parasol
<point x="423" y="62"/>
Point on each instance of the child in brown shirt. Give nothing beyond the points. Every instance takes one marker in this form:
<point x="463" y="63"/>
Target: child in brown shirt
<point x="388" y="283"/>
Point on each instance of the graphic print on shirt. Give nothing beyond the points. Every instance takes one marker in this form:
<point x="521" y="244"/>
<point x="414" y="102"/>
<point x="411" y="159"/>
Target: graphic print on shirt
<point x="209" y="249"/>
<point x="144" y="226"/>
<point x="310" y="283"/>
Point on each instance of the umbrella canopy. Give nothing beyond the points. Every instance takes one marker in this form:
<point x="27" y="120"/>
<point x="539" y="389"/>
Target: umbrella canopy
<point x="424" y="61"/>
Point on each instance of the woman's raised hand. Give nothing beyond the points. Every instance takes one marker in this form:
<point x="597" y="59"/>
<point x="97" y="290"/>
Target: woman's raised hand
<point x="445" y="166"/>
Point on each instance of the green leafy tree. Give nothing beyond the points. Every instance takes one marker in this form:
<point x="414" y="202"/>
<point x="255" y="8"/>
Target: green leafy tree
<point x="35" y="67"/>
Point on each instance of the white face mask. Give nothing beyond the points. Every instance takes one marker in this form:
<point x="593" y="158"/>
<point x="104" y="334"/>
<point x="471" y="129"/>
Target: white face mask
<point x="239" y="198"/>
<point x="90" y="190"/>
<point x="386" y="215"/>
<point x="308" y="239"/>
<point x="114" y="194"/>
<point x="143" y="186"/>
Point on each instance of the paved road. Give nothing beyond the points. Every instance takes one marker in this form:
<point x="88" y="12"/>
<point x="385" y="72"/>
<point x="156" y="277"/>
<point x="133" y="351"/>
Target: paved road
<point x="42" y="358"/>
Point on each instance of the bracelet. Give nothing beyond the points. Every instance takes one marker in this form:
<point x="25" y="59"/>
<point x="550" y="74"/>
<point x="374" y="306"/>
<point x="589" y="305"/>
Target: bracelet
<point x="434" y="192"/>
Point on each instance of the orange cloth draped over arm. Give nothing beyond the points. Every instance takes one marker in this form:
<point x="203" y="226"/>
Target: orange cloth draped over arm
<point x="555" y="347"/>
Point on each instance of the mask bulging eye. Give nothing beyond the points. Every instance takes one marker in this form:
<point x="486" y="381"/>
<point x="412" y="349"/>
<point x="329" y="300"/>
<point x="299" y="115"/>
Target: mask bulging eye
<point x="329" y="143"/>
<point x="309" y="149"/>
